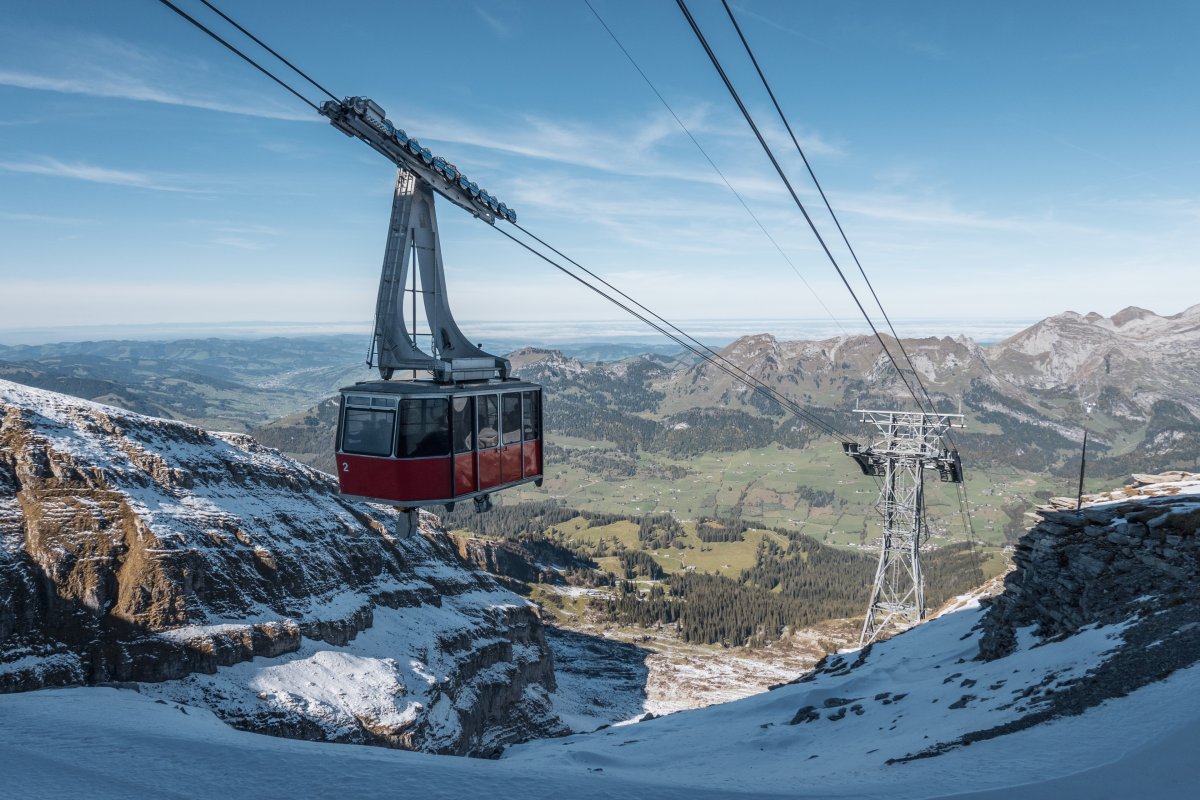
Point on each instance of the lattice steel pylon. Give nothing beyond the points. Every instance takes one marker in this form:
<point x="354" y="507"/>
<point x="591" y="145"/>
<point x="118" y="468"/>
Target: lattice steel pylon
<point x="908" y="442"/>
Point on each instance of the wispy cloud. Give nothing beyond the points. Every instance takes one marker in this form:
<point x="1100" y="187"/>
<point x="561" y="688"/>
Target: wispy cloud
<point x="129" y="87"/>
<point x="12" y="123"/>
<point x="498" y="26"/>
<point x="92" y="174"/>
<point x="745" y="12"/>
<point x="650" y="147"/>
<point x="935" y="212"/>
<point x="48" y="219"/>
<point x="924" y="47"/>
<point x="241" y="243"/>
<point x="290" y="149"/>
<point x="897" y="208"/>
<point x="95" y="65"/>
<point x="246" y="236"/>
<point x="242" y="229"/>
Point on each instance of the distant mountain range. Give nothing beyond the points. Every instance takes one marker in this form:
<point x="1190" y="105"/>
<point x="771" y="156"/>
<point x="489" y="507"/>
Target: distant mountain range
<point x="1133" y="379"/>
<point x="220" y="384"/>
<point x="1128" y="361"/>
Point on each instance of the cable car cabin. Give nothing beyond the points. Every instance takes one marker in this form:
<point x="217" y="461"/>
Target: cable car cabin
<point x="420" y="443"/>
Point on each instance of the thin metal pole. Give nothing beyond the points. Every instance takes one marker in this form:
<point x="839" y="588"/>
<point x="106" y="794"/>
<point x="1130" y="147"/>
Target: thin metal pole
<point x="1082" y="466"/>
<point x="416" y="265"/>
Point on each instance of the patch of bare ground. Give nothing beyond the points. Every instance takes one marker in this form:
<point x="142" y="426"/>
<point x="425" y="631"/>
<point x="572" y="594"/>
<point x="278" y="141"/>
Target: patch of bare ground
<point x="682" y="675"/>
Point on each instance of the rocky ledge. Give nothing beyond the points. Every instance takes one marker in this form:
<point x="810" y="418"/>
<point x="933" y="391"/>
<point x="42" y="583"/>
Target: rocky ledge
<point x="1126" y="563"/>
<point x="1099" y="604"/>
<point x="517" y="564"/>
<point x="207" y="568"/>
<point x="1129" y="553"/>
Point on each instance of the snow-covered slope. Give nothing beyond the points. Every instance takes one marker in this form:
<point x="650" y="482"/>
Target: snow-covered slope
<point x="92" y="742"/>
<point x="1095" y="695"/>
<point x="140" y="549"/>
<point x="894" y="721"/>
<point x="1060" y="672"/>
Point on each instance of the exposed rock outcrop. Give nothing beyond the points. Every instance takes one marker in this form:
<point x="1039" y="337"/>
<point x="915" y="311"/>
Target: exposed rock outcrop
<point x="1099" y="605"/>
<point x="517" y="564"/>
<point x="1136" y="354"/>
<point x="139" y="549"/>
<point x="1131" y="565"/>
<point x="1118" y="558"/>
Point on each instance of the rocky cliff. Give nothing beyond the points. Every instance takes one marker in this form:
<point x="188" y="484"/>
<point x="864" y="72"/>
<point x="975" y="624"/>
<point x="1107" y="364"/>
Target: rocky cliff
<point x="135" y="549"/>
<point x="1127" y="554"/>
<point x="1130" y="559"/>
<point x="517" y="564"/>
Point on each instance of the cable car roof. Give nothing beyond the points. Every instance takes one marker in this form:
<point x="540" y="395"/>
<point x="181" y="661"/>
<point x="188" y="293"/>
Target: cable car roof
<point x="433" y="387"/>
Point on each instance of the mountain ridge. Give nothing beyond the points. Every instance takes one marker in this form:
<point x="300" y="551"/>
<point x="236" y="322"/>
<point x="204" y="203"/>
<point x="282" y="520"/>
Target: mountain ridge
<point x="211" y="568"/>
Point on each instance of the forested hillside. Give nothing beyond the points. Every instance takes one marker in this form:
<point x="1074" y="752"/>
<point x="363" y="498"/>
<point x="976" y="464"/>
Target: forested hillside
<point x="792" y="581"/>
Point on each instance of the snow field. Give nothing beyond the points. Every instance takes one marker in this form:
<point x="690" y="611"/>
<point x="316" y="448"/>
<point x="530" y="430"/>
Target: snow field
<point x="339" y="688"/>
<point x="910" y="693"/>
<point x="105" y="743"/>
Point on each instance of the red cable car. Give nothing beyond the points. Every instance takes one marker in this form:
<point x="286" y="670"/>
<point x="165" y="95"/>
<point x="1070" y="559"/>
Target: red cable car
<point x="415" y="443"/>
<point x="468" y="430"/>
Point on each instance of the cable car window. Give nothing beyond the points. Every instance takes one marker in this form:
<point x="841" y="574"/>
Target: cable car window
<point x="358" y="400"/>
<point x="511" y="406"/>
<point x="368" y="433"/>
<point x="424" y="428"/>
<point x="383" y="402"/>
<point x="532" y="402"/>
<point x="489" y="421"/>
<point x="462" y="423"/>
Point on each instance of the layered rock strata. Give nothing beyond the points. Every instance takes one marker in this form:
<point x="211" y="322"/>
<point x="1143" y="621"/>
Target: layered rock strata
<point x="1130" y="553"/>
<point x="139" y="549"/>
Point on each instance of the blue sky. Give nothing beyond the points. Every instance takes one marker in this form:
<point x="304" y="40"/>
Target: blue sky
<point x="989" y="161"/>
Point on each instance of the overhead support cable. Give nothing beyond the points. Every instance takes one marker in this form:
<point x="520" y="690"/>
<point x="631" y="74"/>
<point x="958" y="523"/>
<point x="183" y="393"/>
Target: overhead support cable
<point x="681" y="338"/>
<point x="267" y="47"/>
<point x="237" y="52"/>
<point x="833" y="215"/>
<point x="795" y="197"/>
<point x="713" y="164"/>
<point x="960" y="491"/>
<point x="664" y="327"/>
<point x="964" y="507"/>
<point x="675" y="334"/>
<point x="705" y="351"/>
<point x="795" y="141"/>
